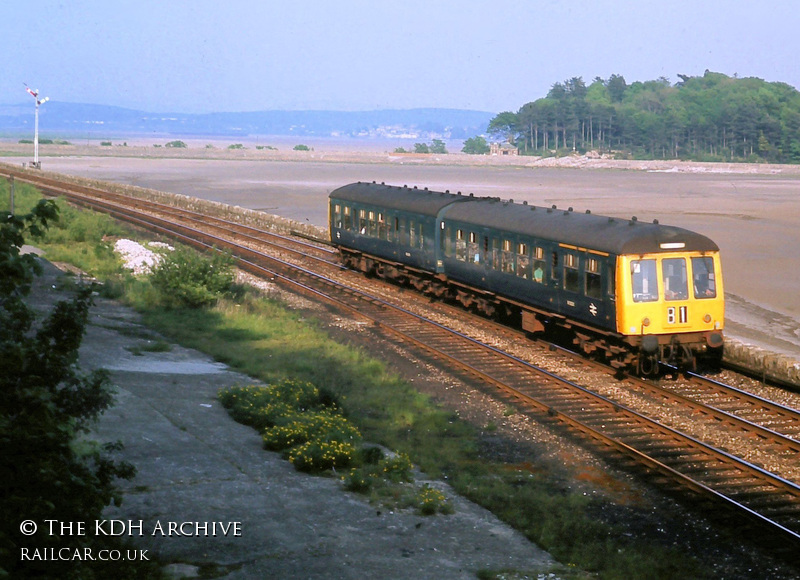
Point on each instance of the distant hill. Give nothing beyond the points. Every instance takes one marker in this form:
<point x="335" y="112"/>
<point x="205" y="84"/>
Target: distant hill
<point x="74" y="119"/>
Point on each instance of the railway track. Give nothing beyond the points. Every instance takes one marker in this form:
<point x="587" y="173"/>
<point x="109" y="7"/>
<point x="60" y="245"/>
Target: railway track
<point x="769" y="501"/>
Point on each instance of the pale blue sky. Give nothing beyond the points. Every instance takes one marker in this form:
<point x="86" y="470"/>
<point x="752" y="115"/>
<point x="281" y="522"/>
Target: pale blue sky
<point x="248" y="55"/>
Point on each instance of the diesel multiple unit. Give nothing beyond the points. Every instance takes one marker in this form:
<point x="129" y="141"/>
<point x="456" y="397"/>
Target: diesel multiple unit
<point x="631" y="292"/>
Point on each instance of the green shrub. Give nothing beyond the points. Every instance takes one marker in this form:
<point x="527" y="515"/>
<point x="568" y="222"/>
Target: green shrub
<point x="77" y="225"/>
<point x="263" y="407"/>
<point x="317" y="456"/>
<point x="296" y="417"/>
<point x="296" y="430"/>
<point x="254" y="406"/>
<point x="301" y="395"/>
<point x="186" y="279"/>
<point x="361" y="480"/>
<point x="429" y="501"/>
<point x="383" y="473"/>
<point x="396" y="469"/>
<point x="371" y="455"/>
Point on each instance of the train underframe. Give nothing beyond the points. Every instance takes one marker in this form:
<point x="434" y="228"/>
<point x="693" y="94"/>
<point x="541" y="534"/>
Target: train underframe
<point x="642" y="355"/>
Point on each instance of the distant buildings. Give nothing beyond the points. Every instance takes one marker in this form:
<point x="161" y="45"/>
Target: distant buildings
<point x="505" y="148"/>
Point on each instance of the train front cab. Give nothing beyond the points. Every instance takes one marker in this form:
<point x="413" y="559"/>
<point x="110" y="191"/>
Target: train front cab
<point x="670" y="306"/>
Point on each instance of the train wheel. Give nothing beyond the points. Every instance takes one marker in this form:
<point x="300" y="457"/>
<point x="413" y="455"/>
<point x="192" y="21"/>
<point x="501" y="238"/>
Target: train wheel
<point x="690" y="361"/>
<point x="648" y="365"/>
<point x="713" y="359"/>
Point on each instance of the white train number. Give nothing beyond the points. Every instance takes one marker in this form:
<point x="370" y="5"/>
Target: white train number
<point x="682" y="315"/>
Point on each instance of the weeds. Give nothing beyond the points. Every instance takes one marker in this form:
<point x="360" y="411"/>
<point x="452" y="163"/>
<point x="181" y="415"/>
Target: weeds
<point x="186" y="279"/>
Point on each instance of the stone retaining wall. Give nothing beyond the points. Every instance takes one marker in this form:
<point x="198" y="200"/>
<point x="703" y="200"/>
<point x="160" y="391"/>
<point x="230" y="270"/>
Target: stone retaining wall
<point x="762" y="362"/>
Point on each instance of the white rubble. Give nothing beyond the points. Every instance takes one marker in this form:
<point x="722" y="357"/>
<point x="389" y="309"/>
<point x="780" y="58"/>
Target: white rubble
<point x="138" y="258"/>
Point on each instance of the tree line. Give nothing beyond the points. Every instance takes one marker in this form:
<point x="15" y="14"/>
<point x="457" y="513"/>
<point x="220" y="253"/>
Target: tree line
<point x="712" y="117"/>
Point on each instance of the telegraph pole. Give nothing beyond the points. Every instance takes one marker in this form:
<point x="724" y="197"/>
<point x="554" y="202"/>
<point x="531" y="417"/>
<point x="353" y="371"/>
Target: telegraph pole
<point x="35" y="95"/>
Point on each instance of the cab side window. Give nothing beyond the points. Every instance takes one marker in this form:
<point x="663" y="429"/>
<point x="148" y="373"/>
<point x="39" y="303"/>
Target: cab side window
<point x="644" y="280"/>
<point x="703" y="278"/>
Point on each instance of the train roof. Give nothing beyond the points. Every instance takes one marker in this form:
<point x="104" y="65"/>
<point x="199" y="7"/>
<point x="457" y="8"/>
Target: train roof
<point x="404" y="198"/>
<point x="585" y="230"/>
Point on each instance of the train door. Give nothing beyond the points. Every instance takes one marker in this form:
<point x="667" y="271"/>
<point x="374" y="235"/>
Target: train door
<point x="488" y="254"/>
<point x="555" y="278"/>
<point x="570" y="267"/>
<point x="402" y="235"/>
<point x="597" y="289"/>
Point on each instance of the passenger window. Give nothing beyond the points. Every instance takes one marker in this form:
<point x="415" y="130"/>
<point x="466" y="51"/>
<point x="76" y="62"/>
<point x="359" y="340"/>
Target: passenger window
<point x="508" y="257"/>
<point x="673" y="273"/>
<point x="554" y="267"/>
<point x="705" y="283"/>
<point x="594" y="282"/>
<point x="538" y="265"/>
<point x="523" y="261"/>
<point x="461" y="246"/>
<point x="412" y="234"/>
<point x="348" y="218"/>
<point x="382" y="233"/>
<point x="644" y="280"/>
<point x="496" y="257"/>
<point x="372" y="224"/>
<point x="473" y="250"/>
<point x="362" y="221"/>
<point x="571" y="273"/>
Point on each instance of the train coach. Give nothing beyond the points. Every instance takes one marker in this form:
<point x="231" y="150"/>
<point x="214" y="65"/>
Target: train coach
<point x="630" y="292"/>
